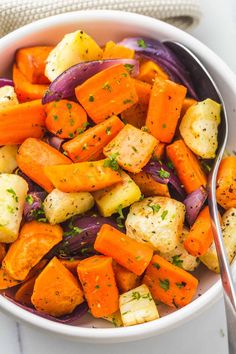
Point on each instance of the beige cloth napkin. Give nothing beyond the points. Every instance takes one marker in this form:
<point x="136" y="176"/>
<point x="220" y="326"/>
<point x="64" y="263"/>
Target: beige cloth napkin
<point x="16" y="13"/>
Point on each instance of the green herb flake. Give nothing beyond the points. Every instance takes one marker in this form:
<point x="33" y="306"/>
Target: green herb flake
<point x="163" y="174"/>
<point x="69" y="105"/>
<point x="13" y="193"/>
<point x="170" y="165"/>
<point x="120" y="211"/>
<point x="108" y="131"/>
<point x="156" y="265"/>
<point x="142" y="195"/>
<point x="164" y="125"/>
<point x="128" y="101"/>
<point x="112" y="162"/>
<point x="155" y="207"/>
<point x="29" y="199"/>
<point x="141" y="43"/>
<point x="106" y="86"/>
<point x="164" y="284"/>
<point x="55" y="117"/>
<point x="177" y="261"/>
<point x="97" y="287"/>
<point x="129" y="67"/>
<point x="136" y="295"/>
<point x="91" y="98"/>
<point x="181" y="285"/>
<point x="163" y="215"/>
<point x="71" y="135"/>
<point x="10" y="209"/>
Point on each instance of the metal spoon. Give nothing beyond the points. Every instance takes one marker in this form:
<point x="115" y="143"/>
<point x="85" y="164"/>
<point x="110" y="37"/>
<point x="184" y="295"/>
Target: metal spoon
<point x="206" y="88"/>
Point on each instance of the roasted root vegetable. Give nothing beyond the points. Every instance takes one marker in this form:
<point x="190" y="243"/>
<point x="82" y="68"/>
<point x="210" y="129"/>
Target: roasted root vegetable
<point x="137" y="306"/>
<point x="88" y="145"/>
<point x="110" y="200"/>
<point x="169" y="284"/>
<point x="26" y="91"/>
<point x="180" y="257"/>
<point x="136" y="114"/>
<point x="199" y="128"/>
<point x="98" y="281"/>
<point x="60" y="206"/>
<point x="56" y="291"/>
<point x="2" y="252"/>
<point x="164" y="109"/>
<point x="25" y="291"/>
<point x="107" y="93"/>
<point x="83" y="176"/>
<point x="6" y="281"/>
<point x="35" y="240"/>
<point x="71" y="264"/>
<point x="150" y="70"/>
<point x="21" y="121"/>
<point x="7" y="96"/>
<point x="125" y="279"/>
<point x="74" y="48"/>
<point x="228" y="226"/>
<point x="127" y="252"/>
<point x="8" y="158"/>
<point x="31" y="62"/>
<point x="157" y="222"/>
<point x="115" y="51"/>
<point x="200" y="236"/>
<point x="148" y="186"/>
<point x="115" y="319"/>
<point x="34" y="155"/>
<point x="13" y="190"/>
<point x="226" y="183"/>
<point x="132" y="148"/>
<point x="65" y="119"/>
<point x="159" y="151"/>
<point x="187" y="166"/>
<point x="188" y="102"/>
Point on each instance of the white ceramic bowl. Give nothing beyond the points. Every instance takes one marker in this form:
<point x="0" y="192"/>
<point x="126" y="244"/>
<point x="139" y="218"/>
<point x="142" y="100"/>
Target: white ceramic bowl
<point x="115" y="25"/>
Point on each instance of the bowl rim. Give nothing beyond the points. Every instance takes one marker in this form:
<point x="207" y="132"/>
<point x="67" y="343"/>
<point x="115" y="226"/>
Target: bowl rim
<point x="184" y="314"/>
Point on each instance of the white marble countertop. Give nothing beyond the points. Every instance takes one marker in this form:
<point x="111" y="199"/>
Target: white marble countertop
<point x="205" y="334"/>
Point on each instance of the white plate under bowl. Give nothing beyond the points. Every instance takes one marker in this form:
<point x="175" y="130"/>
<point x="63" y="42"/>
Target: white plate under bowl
<point x="115" y="25"/>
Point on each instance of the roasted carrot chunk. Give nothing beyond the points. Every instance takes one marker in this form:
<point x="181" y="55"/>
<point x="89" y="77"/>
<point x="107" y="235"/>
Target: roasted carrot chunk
<point x="83" y="176"/>
<point x="56" y="291"/>
<point x="65" y="118"/>
<point x="148" y="186"/>
<point x="107" y="93"/>
<point x="2" y="251"/>
<point x="159" y="151"/>
<point x="124" y="250"/>
<point x="226" y="183"/>
<point x="125" y="279"/>
<point x="186" y="165"/>
<point x="24" y="89"/>
<point x="149" y="71"/>
<point x="98" y="281"/>
<point x="34" y="155"/>
<point x="187" y="103"/>
<point x="200" y="236"/>
<point x="168" y="283"/>
<point x="31" y="62"/>
<point x="164" y="109"/>
<point x="25" y="291"/>
<point x="132" y="148"/>
<point x="137" y="114"/>
<point x="115" y="51"/>
<point x="6" y="281"/>
<point x="88" y="146"/>
<point x="21" y="121"/>
<point x="35" y="240"/>
<point x="71" y="265"/>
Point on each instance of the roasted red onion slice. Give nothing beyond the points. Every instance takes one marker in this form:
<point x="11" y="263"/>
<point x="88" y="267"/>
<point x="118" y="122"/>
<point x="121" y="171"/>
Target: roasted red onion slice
<point x="5" y="82"/>
<point x="193" y="203"/>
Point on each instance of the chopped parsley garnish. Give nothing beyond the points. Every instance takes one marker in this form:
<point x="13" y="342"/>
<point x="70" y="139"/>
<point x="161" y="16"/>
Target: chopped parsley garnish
<point x="106" y="86"/>
<point x="154" y="207"/>
<point x="141" y="43"/>
<point x="39" y="215"/>
<point x="181" y="285"/>
<point x="156" y="265"/>
<point x="69" y="105"/>
<point x="128" y="101"/>
<point x="136" y="295"/>
<point x="177" y="261"/>
<point x="73" y="230"/>
<point x="164" y="284"/>
<point x="129" y="67"/>
<point x="142" y="196"/>
<point x="29" y="199"/>
<point x="10" y="209"/>
<point x="55" y="117"/>
<point x="91" y="98"/>
<point x="170" y="164"/>
<point x="120" y="211"/>
<point x="13" y="193"/>
<point x="71" y="135"/>
<point x="108" y="131"/>
<point x="163" y="174"/>
<point x="163" y="215"/>
<point x="112" y="162"/>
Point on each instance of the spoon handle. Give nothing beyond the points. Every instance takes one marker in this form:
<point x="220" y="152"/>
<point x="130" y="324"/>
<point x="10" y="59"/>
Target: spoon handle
<point x="225" y="271"/>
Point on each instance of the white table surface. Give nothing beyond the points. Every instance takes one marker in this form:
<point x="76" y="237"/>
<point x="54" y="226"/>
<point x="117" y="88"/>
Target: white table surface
<point x="205" y="334"/>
